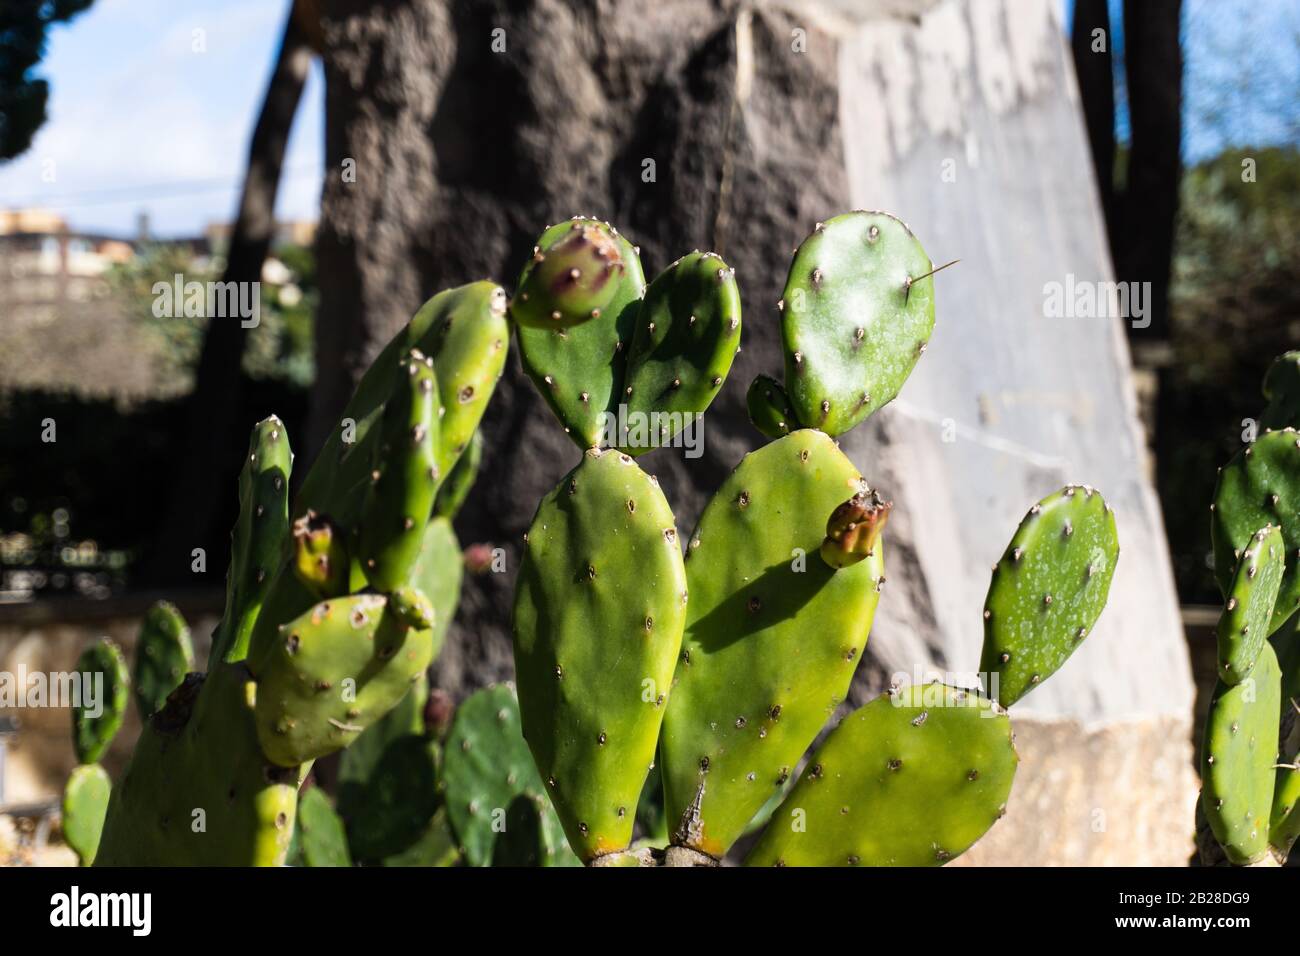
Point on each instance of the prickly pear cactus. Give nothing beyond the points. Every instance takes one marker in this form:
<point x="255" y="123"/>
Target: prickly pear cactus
<point x="337" y="669"/>
<point x="105" y="690"/>
<point x="163" y="656"/>
<point x="600" y="604"/>
<point x="319" y="837"/>
<point x="257" y="538"/>
<point x="465" y="333"/>
<point x="487" y="773"/>
<point x="769" y="407"/>
<point x="1047" y="590"/>
<point x="856" y="314"/>
<point x="573" y="276"/>
<point x="435" y="847"/>
<point x="773" y="636"/>
<point x="635" y="371"/>
<point x="456" y="487"/>
<point x="579" y="369"/>
<point x="687" y="335"/>
<point x="912" y="779"/>
<point x="1282" y="389"/>
<point x="1260" y="486"/>
<point x="775" y="601"/>
<point x="437" y="575"/>
<point x="358" y="762"/>
<point x="399" y="799"/>
<point x="199" y="791"/>
<point x="85" y="801"/>
<point x="1238" y="756"/>
<point x="1244" y="624"/>
<point x="404" y="477"/>
<point x="327" y="626"/>
<point x="1284" y="818"/>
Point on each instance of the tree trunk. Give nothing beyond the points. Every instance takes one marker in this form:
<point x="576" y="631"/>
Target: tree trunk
<point x="207" y="473"/>
<point x="1154" y="66"/>
<point x="1094" y="70"/>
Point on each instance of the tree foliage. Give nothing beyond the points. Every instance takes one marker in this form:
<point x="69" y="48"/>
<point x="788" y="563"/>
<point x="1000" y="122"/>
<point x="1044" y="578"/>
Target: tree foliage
<point x="23" y="96"/>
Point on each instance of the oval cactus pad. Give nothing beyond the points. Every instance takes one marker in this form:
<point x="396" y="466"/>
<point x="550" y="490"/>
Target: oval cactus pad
<point x="1047" y="590"/>
<point x="579" y="369"/>
<point x="85" y="801"/>
<point x="486" y="769"/>
<point x="911" y="779"/>
<point x="105" y="688"/>
<point x="337" y="669"/>
<point x="773" y="637"/>
<point x="1237" y="760"/>
<point x="857" y="312"/>
<point x="1244" y="624"/>
<point x="1260" y="486"/>
<point x="599" y="608"/>
<point x="687" y="334"/>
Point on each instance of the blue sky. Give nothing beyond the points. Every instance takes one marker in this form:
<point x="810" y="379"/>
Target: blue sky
<point x="141" y="121"/>
<point x="138" y="120"/>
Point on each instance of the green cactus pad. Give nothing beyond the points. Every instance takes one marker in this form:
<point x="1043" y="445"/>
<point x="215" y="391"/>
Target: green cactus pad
<point x="163" y="656"/>
<point x="435" y="847"/>
<point x="486" y="768"/>
<point x="1249" y="610"/>
<point x="1237" y="760"/>
<point x="687" y="335"/>
<point x="1286" y="643"/>
<point x="358" y="761"/>
<point x="455" y="489"/>
<point x="573" y="276"/>
<point x="198" y="790"/>
<point x="853" y="320"/>
<point x="332" y="673"/>
<point x="912" y="779"/>
<point x="437" y="573"/>
<point x="1284" y="819"/>
<point x="257" y="538"/>
<point x="521" y="843"/>
<point x="579" y="370"/>
<point x="1047" y="590"/>
<point x="404" y="477"/>
<point x="400" y="797"/>
<point x="1260" y="486"/>
<point x="320" y="837"/>
<point x="769" y="407"/>
<point x="773" y="637"/>
<point x="1282" y="389"/>
<point x="105" y="690"/>
<point x="599" y="608"/>
<point x="85" y="801"/>
<point x="465" y="333"/>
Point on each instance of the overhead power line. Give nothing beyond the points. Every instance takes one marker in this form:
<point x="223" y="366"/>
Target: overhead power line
<point x="145" y="191"/>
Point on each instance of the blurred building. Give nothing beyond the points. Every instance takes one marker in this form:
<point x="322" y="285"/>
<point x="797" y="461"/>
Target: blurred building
<point x="66" y="326"/>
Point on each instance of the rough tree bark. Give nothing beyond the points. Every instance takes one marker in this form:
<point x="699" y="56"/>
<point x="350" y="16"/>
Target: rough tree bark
<point x="207" y="472"/>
